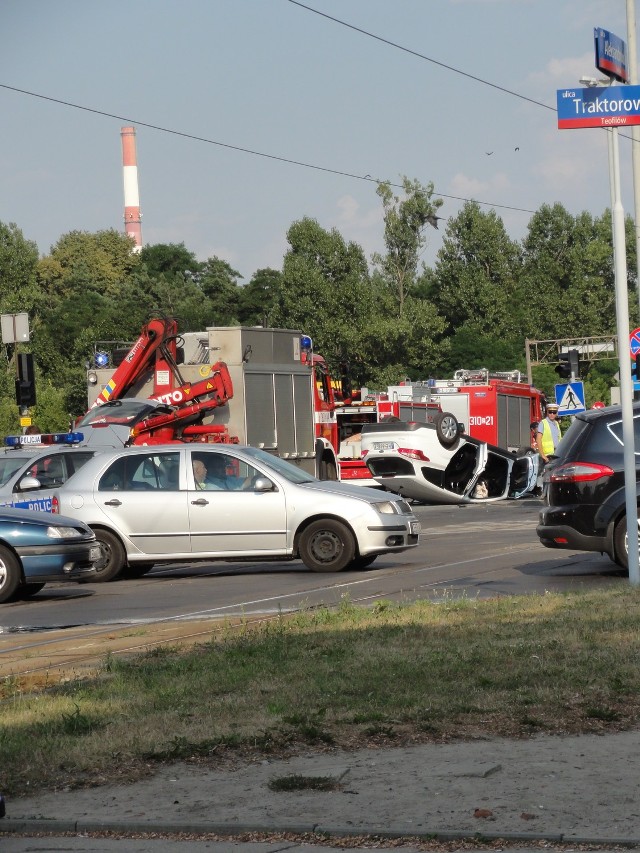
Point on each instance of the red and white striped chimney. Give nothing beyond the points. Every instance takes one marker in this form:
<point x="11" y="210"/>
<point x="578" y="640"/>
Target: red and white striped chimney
<point x="132" y="224"/>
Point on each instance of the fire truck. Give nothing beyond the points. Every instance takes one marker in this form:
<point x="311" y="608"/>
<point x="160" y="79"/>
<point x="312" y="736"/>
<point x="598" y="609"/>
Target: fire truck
<point x="246" y="385"/>
<point x="497" y="408"/>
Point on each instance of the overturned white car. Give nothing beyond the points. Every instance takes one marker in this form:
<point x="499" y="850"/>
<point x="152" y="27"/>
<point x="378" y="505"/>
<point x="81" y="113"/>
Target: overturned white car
<point x="438" y="463"/>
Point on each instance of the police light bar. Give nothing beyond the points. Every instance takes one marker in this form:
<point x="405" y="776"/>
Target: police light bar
<point x="44" y="438"/>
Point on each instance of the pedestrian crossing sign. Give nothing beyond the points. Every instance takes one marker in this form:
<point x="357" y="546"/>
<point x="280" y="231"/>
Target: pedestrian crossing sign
<point x="570" y="398"/>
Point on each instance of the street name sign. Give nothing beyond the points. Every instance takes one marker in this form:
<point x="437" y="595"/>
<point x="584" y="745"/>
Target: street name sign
<point x="614" y="106"/>
<point x="611" y="54"/>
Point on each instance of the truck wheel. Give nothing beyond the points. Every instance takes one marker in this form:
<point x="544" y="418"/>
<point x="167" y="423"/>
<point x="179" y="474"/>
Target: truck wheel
<point x="9" y="575"/>
<point x="327" y="545"/>
<point x="447" y="428"/>
<point x="621" y="544"/>
<point x="112" y="558"/>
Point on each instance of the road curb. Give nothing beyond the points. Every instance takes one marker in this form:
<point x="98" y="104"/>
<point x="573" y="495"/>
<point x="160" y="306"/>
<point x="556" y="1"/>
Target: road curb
<point x="36" y="825"/>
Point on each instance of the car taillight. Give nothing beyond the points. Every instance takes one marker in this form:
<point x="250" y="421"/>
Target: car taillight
<point x="413" y="454"/>
<point x="579" y="472"/>
<point x="55" y="505"/>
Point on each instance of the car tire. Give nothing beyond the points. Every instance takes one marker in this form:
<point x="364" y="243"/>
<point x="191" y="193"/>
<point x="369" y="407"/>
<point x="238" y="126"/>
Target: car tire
<point x="27" y="590"/>
<point x="10" y="575"/>
<point x="447" y="428"/>
<point x="112" y="557"/>
<point x="362" y="562"/>
<point x="327" y="545"/>
<point x="328" y="470"/>
<point x="620" y="546"/>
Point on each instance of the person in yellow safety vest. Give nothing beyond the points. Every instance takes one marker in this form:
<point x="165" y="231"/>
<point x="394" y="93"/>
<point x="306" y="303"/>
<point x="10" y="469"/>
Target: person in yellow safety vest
<point x="549" y="434"/>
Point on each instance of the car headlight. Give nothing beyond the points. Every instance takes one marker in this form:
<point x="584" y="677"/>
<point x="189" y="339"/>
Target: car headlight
<point x="63" y="533"/>
<point x="386" y="507"/>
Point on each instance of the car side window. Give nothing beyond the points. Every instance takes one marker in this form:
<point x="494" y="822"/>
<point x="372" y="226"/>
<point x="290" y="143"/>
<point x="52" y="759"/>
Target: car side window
<point x="52" y="470"/>
<point x="223" y="472"/>
<point x="142" y="472"/>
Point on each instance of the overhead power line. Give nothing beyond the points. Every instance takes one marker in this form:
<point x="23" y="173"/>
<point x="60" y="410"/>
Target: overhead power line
<point x="185" y="135"/>
<point x="422" y="56"/>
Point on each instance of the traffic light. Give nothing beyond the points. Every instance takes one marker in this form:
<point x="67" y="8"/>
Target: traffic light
<point x="569" y="364"/>
<point x="26" y="382"/>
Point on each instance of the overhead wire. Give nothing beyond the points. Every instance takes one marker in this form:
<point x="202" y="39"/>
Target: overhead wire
<point x="196" y="138"/>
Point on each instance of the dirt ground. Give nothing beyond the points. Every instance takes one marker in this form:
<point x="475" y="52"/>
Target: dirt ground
<point x="583" y="787"/>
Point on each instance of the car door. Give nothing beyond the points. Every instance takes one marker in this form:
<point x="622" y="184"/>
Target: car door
<point x="140" y="495"/>
<point x="236" y="520"/>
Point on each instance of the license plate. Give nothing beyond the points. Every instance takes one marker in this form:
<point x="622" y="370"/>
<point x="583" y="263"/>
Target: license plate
<point x="415" y="527"/>
<point x="383" y="445"/>
<point x="94" y="553"/>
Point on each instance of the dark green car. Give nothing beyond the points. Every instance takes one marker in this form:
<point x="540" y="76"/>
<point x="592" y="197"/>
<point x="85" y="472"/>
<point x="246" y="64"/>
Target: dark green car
<point x="38" y="548"/>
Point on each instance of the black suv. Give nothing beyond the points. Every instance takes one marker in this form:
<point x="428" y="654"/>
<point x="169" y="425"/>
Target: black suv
<point x="584" y="492"/>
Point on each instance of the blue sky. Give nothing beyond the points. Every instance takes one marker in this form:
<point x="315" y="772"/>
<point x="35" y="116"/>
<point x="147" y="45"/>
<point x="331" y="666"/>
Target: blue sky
<point x="272" y="77"/>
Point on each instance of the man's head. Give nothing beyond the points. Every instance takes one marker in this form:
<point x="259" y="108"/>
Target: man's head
<point x="552" y="409"/>
<point x="199" y="470"/>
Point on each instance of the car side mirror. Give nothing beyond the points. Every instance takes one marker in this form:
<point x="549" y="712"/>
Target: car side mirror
<point x="27" y="484"/>
<point x="263" y="484"/>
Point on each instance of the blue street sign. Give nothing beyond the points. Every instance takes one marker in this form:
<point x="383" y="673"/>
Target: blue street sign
<point x="614" y="106"/>
<point x="570" y="398"/>
<point x="611" y="54"/>
<point x="634" y="343"/>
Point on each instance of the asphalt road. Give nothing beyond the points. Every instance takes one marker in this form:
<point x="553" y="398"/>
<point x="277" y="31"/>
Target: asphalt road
<point x="478" y="550"/>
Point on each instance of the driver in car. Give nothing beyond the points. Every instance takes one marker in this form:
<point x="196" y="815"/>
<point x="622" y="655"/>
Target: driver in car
<point x="212" y="477"/>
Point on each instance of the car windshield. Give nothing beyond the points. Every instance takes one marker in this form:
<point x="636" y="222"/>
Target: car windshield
<point x="290" y="472"/>
<point x="10" y="463"/>
<point x="119" y="412"/>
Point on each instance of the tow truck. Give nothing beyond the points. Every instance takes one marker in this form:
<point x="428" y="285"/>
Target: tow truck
<point x="263" y="389"/>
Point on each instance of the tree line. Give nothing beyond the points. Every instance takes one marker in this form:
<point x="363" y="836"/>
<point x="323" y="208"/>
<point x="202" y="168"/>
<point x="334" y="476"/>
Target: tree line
<point x="387" y="318"/>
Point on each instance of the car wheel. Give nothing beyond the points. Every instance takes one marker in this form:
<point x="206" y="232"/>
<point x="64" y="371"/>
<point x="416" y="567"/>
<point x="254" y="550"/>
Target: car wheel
<point x="327" y="545"/>
<point x="621" y="544"/>
<point x="362" y="562"/>
<point x="112" y="558"/>
<point x="9" y="575"/>
<point x="26" y="590"/>
<point x="327" y="470"/>
<point x="447" y="430"/>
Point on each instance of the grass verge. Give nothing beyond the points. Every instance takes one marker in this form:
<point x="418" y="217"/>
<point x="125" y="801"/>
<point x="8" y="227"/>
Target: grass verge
<point x="393" y="674"/>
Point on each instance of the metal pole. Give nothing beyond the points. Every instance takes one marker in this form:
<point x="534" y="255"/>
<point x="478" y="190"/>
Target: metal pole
<point x="626" y="385"/>
<point x="632" y="65"/>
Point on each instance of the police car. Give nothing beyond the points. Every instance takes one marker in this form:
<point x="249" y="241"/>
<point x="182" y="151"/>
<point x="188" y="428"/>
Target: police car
<point x="32" y="465"/>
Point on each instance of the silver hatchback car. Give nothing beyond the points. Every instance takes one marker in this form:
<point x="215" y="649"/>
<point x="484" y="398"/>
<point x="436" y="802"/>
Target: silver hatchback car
<point x="185" y="502"/>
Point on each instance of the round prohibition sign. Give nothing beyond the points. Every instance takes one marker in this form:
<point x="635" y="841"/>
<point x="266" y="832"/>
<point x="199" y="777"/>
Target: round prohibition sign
<point x="634" y="343"/>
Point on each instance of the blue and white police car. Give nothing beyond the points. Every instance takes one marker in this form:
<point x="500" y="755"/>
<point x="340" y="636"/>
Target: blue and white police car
<point x="32" y="465"/>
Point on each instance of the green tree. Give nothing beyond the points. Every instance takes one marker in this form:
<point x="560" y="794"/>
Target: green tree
<point x="256" y="300"/>
<point x="568" y="274"/>
<point x="405" y="221"/>
<point x="219" y="283"/>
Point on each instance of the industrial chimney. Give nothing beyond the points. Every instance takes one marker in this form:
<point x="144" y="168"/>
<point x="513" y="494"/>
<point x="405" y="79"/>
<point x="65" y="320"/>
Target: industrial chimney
<point x="132" y="224"/>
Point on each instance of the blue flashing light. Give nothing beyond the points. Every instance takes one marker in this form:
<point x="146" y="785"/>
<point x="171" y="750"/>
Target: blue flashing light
<point x="305" y="342"/>
<point x="101" y="359"/>
<point x="44" y="438"/>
